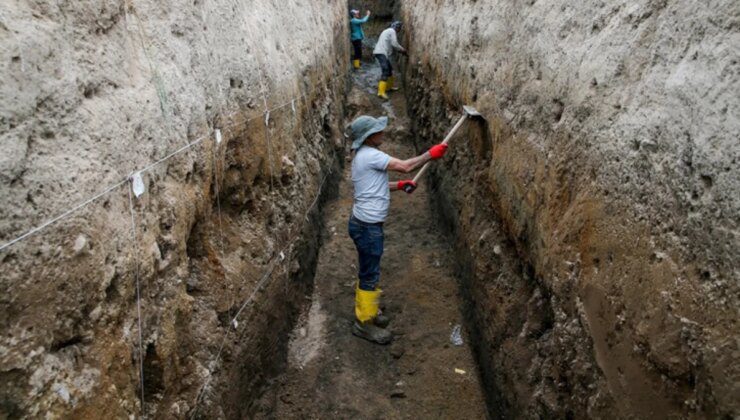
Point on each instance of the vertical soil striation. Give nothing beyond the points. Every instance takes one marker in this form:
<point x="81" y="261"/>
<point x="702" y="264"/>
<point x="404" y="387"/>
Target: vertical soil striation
<point x="594" y="213"/>
<point x="96" y="90"/>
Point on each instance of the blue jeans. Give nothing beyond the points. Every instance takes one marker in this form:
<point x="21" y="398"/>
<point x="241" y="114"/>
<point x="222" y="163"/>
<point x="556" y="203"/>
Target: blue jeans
<point x="385" y="66"/>
<point x="368" y="238"/>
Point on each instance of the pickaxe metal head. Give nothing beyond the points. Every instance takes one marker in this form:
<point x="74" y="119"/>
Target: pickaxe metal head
<point x="471" y="112"/>
<point x="468" y="112"/>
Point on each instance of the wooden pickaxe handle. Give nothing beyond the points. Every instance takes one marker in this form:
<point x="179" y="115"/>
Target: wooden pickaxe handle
<point x="445" y="141"/>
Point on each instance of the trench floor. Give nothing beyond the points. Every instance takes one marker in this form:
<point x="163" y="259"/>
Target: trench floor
<point x="333" y="374"/>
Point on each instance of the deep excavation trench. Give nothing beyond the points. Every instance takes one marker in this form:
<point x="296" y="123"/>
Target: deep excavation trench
<point x="581" y="295"/>
<point x="584" y="235"/>
<point x="331" y="373"/>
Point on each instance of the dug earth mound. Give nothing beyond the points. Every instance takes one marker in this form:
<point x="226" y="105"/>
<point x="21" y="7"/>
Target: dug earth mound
<point x="596" y="212"/>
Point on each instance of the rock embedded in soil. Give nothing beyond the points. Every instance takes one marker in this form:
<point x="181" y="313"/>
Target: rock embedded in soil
<point x="397" y="351"/>
<point x="398" y="393"/>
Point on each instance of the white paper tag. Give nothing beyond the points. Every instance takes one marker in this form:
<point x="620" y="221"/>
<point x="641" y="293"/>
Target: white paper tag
<point x="218" y="136"/>
<point x="130" y="24"/>
<point x="137" y="184"/>
<point x="267" y="118"/>
<point x="282" y="255"/>
<point x="235" y="323"/>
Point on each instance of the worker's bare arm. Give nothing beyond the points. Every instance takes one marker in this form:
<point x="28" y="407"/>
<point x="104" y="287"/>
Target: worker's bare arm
<point x="408" y="165"/>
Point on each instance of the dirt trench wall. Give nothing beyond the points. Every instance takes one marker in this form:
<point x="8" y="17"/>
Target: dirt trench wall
<point x="596" y="212"/>
<point x="382" y="9"/>
<point x="94" y="90"/>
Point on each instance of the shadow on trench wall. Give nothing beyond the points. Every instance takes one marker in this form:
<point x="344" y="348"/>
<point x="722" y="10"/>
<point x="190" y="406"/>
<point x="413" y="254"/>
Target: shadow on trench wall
<point x="495" y="309"/>
<point x="507" y="308"/>
<point x="271" y="356"/>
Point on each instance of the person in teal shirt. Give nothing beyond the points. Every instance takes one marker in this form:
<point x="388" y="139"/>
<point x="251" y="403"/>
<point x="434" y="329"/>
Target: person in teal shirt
<point x="355" y="25"/>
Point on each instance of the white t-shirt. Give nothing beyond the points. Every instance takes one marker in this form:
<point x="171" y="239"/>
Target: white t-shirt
<point x="387" y="43"/>
<point x="370" y="179"/>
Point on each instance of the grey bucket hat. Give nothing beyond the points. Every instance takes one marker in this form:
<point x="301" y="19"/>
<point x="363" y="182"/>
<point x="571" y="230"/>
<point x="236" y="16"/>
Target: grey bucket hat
<point x="365" y="126"/>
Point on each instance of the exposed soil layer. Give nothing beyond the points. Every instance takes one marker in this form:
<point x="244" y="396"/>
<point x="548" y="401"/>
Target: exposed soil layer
<point x="381" y="9"/>
<point x="592" y="221"/>
<point x="94" y="90"/>
<point x="595" y="214"/>
<point x="333" y="374"/>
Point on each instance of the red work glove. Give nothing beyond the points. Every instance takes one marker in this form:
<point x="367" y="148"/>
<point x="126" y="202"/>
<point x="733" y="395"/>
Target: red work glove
<point x="407" y="185"/>
<point x="438" y="150"/>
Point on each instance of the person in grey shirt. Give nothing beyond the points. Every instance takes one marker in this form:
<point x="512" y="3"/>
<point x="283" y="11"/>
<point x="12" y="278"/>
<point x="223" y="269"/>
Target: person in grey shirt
<point x="372" y="197"/>
<point x="387" y="44"/>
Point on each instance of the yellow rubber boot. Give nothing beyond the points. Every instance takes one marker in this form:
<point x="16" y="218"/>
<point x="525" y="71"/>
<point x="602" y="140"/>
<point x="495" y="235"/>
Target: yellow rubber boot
<point x="366" y="304"/>
<point x="366" y="309"/>
<point x="356" y="64"/>
<point x="392" y="84"/>
<point x="382" y="86"/>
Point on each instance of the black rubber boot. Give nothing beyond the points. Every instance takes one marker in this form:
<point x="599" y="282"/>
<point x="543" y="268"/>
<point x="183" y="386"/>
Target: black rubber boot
<point x="371" y="332"/>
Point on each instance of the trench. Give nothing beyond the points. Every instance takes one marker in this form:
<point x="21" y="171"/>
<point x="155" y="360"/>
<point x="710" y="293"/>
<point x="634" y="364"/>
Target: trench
<point x="575" y="292"/>
<point x="450" y="260"/>
<point x="465" y="250"/>
<point x="431" y="282"/>
<point x="427" y="278"/>
<point x="330" y="372"/>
